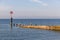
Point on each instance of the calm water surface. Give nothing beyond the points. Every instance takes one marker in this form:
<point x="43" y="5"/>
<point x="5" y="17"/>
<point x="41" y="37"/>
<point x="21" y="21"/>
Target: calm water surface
<point x="17" y="33"/>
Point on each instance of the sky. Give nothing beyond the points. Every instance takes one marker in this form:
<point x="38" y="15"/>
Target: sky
<point x="30" y="9"/>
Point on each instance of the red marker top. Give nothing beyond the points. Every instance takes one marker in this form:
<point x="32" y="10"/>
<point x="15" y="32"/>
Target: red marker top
<point x="11" y="12"/>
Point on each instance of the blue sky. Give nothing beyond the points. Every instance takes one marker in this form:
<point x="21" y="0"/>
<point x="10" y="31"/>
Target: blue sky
<point x="30" y="9"/>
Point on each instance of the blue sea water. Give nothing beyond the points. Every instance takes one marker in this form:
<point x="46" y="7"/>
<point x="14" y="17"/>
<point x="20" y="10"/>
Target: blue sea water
<point x="33" y="21"/>
<point x="16" y="33"/>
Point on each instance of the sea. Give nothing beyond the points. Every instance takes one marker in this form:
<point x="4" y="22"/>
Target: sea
<point x="17" y="33"/>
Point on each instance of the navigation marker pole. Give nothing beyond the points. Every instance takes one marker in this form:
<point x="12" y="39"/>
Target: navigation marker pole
<point x="11" y="19"/>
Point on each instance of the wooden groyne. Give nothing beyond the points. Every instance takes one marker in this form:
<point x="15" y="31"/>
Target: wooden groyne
<point x="40" y="27"/>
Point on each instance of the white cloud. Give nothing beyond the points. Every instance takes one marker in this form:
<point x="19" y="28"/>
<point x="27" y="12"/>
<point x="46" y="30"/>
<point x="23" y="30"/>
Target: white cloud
<point x="45" y="4"/>
<point x="40" y="2"/>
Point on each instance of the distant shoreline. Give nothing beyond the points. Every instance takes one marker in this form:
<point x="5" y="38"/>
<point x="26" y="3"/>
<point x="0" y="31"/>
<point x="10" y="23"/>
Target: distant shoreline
<point x="45" y="19"/>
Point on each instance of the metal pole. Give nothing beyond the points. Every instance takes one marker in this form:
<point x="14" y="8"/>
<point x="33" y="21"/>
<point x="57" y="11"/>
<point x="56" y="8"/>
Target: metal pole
<point x="11" y="22"/>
